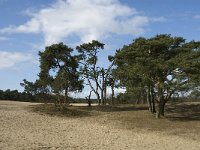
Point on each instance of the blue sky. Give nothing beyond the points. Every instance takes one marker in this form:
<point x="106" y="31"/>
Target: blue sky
<point x="27" y="26"/>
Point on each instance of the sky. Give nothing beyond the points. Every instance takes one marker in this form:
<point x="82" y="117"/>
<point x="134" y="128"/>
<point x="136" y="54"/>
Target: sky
<point x="27" y="26"/>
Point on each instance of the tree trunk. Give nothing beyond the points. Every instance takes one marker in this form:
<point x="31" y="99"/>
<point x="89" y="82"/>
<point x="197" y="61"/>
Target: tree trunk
<point x="105" y="92"/>
<point x="142" y="97"/>
<point x="102" y="101"/>
<point x="89" y="99"/>
<point x="161" y="102"/>
<point x="95" y="91"/>
<point x="137" y="101"/>
<point x="103" y="88"/>
<point x="152" y="100"/>
<point x="163" y="109"/>
<point x="160" y="109"/>
<point x="149" y="99"/>
<point x="112" y="95"/>
<point x="66" y="101"/>
<point x="98" y="98"/>
<point x="153" y="105"/>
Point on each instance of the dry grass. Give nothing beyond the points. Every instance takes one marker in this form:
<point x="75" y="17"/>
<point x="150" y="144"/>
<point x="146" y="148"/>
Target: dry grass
<point x="182" y="119"/>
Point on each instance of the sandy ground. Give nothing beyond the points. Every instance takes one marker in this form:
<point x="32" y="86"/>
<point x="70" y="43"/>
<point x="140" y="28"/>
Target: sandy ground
<point x="20" y="128"/>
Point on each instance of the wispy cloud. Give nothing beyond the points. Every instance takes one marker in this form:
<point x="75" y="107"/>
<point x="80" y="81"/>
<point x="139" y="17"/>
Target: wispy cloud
<point x="87" y="19"/>
<point x="197" y="17"/>
<point x="1" y="1"/>
<point x="4" y="38"/>
<point x="10" y="59"/>
<point x="158" y="19"/>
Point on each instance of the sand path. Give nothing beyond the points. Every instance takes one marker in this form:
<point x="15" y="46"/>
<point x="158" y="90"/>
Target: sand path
<point x="22" y="129"/>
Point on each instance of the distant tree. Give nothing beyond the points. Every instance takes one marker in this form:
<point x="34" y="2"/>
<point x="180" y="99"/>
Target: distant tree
<point x="7" y="94"/>
<point x="88" y="98"/>
<point x="11" y="95"/>
<point x="195" y="93"/>
<point x="112" y="82"/>
<point x="2" y="95"/>
<point x="29" y="87"/>
<point x="36" y="90"/>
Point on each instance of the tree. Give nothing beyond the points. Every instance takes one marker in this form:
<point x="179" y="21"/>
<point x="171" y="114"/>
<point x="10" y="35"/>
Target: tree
<point x="12" y="95"/>
<point x="59" y="71"/>
<point x="91" y="72"/>
<point x="36" y="90"/>
<point x="162" y="65"/>
<point x="30" y="87"/>
<point x="2" y="95"/>
<point x="88" y="60"/>
<point x="112" y="82"/>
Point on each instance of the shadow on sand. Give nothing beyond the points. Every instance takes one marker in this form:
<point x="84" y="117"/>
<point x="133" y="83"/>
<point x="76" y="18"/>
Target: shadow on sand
<point x="114" y="108"/>
<point x="184" y="111"/>
<point x="51" y="110"/>
<point x="174" y="111"/>
<point x="82" y="111"/>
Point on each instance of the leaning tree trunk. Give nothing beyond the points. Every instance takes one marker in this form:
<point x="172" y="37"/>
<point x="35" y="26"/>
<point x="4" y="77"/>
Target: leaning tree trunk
<point x="112" y="95"/>
<point x="98" y="97"/>
<point x="95" y="91"/>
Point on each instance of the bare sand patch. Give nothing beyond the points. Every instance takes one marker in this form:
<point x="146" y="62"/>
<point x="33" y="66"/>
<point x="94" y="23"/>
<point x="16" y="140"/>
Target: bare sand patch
<point x="21" y="128"/>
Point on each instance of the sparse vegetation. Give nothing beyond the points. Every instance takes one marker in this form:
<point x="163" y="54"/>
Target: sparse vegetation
<point x="74" y="126"/>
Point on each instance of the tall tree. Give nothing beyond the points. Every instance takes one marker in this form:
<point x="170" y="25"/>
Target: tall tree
<point x="59" y="70"/>
<point x="91" y="71"/>
<point x="165" y="63"/>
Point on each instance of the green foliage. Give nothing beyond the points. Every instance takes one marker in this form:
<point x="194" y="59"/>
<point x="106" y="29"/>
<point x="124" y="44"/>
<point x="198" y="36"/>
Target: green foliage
<point x="168" y="64"/>
<point x="89" y="70"/>
<point x="168" y="61"/>
<point x="59" y="69"/>
<point x="24" y="96"/>
<point x="88" y="58"/>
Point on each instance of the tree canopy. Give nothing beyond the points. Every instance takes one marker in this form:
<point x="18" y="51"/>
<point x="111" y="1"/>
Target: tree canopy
<point x="167" y="64"/>
<point x="59" y="69"/>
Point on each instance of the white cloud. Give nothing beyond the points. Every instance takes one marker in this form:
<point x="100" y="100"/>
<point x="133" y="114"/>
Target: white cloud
<point x="87" y="19"/>
<point x="197" y="17"/>
<point x="10" y="59"/>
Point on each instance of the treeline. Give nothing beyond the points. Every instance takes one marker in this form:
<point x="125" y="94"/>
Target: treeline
<point x="154" y="70"/>
<point x="25" y="97"/>
<point x="129" y="98"/>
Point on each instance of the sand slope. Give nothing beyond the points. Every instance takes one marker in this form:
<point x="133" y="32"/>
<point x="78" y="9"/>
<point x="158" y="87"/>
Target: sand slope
<point x="22" y="129"/>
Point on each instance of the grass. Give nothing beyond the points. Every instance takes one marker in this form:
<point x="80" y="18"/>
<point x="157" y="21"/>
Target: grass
<point x="182" y="119"/>
<point x="51" y="110"/>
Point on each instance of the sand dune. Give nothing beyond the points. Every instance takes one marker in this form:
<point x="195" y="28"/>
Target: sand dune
<point x="20" y="128"/>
